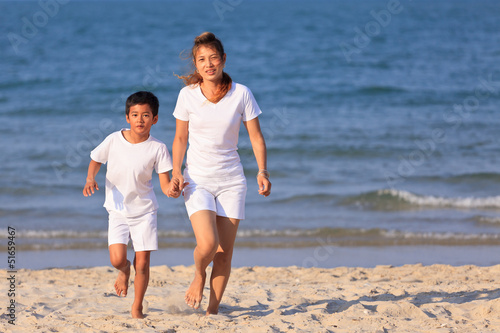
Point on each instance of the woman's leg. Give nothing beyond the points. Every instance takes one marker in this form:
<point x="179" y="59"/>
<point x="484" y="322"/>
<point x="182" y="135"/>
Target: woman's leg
<point x="207" y="240"/>
<point x="118" y="258"/>
<point x="141" y="266"/>
<point x="226" y="228"/>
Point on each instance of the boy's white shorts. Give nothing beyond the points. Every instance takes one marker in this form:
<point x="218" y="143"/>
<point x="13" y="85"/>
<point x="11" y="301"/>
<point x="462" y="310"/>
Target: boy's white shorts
<point x="141" y="229"/>
<point x="225" y="197"/>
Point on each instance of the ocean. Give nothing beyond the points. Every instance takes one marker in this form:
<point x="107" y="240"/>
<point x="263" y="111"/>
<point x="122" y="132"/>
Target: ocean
<point x="381" y="120"/>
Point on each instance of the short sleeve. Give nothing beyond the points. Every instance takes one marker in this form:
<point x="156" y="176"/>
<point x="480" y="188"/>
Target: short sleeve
<point x="180" y="111"/>
<point x="100" y="154"/>
<point x="252" y="109"/>
<point x="163" y="160"/>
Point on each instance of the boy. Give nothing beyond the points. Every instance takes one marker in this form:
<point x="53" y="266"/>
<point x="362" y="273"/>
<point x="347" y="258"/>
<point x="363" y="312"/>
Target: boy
<point x="130" y="201"/>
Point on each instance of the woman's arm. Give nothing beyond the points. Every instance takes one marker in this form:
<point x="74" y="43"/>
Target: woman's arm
<point x="260" y="152"/>
<point x="179" y="150"/>
<point x="90" y="183"/>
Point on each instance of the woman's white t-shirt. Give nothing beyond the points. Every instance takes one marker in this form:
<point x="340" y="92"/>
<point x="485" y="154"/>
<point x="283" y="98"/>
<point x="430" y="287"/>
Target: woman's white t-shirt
<point x="214" y="129"/>
<point x="129" y="190"/>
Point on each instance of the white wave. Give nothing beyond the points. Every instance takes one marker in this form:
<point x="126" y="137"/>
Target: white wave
<point x="438" y="235"/>
<point x="175" y="233"/>
<point x="488" y="220"/>
<point x="52" y="234"/>
<point x="467" y="202"/>
<point x="61" y="234"/>
<point x="243" y="233"/>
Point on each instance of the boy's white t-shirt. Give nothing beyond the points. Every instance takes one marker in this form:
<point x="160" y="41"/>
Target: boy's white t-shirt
<point x="129" y="190"/>
<point x="214" y="129"/>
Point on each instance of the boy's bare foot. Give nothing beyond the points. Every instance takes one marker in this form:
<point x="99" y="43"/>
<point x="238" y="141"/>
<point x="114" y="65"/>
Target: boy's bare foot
<point x="121" y="283"/>
<point x="137" y="312"/>
<point x="194" y="294"/>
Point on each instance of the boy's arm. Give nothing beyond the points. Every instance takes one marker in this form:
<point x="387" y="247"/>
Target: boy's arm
<point x="90" y="184"/>
<point x="164" y="182"/>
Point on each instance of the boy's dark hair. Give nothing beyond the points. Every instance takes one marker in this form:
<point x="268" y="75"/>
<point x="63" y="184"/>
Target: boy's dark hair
<point x="143" y="97"/>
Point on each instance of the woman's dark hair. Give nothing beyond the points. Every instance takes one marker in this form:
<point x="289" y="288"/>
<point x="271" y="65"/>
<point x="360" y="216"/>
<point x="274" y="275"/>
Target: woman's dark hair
<point x="143" y="97"/>
<point x="207" y="39"/>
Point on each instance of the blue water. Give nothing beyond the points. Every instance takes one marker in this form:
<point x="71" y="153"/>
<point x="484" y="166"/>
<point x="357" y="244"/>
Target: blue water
<point x="381" y="122"/>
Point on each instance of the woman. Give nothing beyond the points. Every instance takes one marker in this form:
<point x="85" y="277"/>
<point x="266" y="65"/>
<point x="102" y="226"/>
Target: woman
<point x="208" y="113"/>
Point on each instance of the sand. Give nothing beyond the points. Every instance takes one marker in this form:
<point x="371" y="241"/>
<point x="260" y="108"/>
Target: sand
<point x="411" y="298"/>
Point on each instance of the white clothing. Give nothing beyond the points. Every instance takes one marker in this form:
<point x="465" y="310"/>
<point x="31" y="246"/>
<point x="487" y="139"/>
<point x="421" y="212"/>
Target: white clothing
<point x="214" y="129"/>
<point x="129" y="190"/>
<point x="225" y="197"/>
<point x="141" y="229"/>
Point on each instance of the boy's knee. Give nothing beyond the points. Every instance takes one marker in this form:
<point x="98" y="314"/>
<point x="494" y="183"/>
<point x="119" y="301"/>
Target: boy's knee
<point x="141" y="268"/>
<point x="141" y="265"/>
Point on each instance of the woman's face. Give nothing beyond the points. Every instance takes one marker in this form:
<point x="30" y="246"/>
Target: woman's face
<point x="209" y="63"/>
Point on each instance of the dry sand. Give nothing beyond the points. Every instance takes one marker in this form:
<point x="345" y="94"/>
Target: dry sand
<point x="411" y="298"/>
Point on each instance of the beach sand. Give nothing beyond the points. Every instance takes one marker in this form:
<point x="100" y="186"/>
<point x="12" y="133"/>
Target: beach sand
<point x="410" y="298"/>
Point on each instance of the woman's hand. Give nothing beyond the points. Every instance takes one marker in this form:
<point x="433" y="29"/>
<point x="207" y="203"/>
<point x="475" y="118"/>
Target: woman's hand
<point x="180" y="179"/>
<point x="264" y="185"/>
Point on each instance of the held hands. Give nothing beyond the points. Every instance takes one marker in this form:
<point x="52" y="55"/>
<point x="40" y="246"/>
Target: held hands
<point x="89" y="187"/>
<point x="173" y="190"/>
<point x="176" y="188"/>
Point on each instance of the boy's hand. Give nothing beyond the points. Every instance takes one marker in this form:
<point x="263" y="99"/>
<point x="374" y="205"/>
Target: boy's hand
<point x="174" y="194"/>
<point x="89" y="187"/>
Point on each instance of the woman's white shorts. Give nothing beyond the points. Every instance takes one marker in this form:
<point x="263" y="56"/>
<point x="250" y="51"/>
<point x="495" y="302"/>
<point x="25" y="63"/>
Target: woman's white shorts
<point x="226" y="197"/>
<point x="141" y="229"/>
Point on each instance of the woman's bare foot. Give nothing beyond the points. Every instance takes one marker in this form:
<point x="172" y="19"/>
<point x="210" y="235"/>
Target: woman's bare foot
<point x="194" y="294"/>
<point x="121" y="283"/>
<point x="137" y="312"/>
<point x="212" y="312"/>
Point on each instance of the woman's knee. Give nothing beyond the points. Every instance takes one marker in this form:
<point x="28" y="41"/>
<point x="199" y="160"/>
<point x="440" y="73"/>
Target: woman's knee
<point x="207" y="249"/>
<point x="118" y="262"/>
<point x="223" y="258"/>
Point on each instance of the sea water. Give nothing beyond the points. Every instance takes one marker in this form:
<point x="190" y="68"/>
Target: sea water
<point x="381" y="120"/>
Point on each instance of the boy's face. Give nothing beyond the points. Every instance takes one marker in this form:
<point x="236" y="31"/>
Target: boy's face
<point x="141" y="119"/>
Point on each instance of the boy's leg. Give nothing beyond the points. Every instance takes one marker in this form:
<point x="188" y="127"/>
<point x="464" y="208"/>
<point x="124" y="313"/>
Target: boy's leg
<point x="226" y="228"/>
<point x="141" y="266"/>
<point x="118" y="258"/>
<point x="205" y="231"/>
